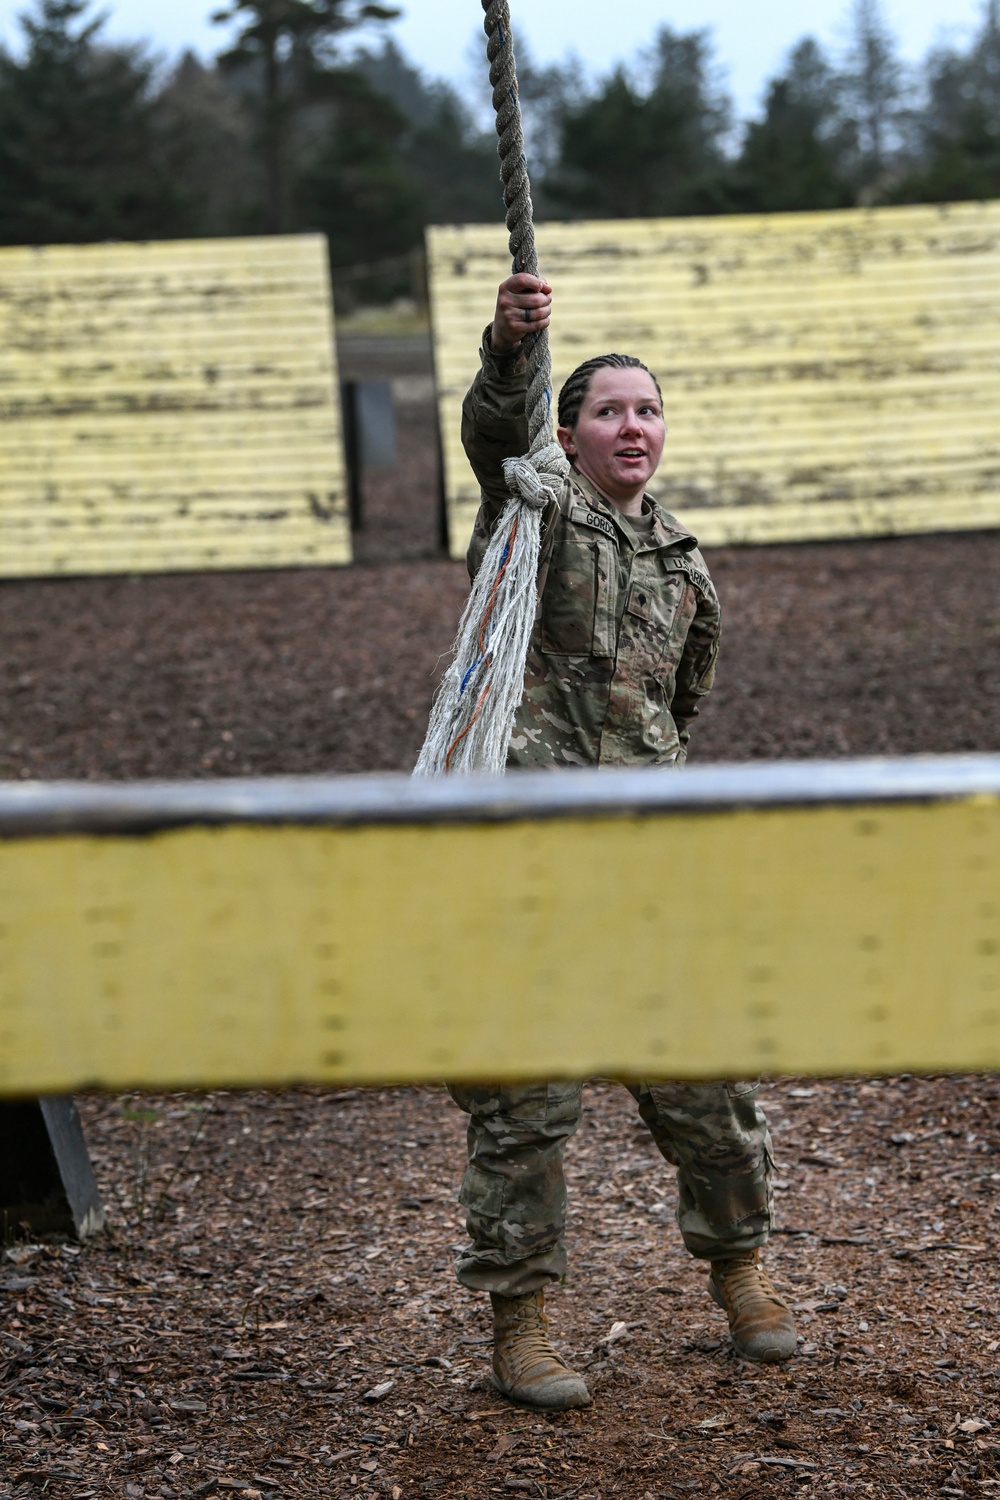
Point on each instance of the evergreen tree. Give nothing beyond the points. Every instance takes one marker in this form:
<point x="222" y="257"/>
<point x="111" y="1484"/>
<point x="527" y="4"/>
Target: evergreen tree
<point x="452" y="165"/>
<point x="208" y="147"/>
<point x="793" y="158"/>
<point x="960" y="123"/>
<point x="392" y="154"/>
<point x="81" y="152"/>
<point x="547" y="94"/>
<point x="456" y="167"/>
<point x="873" y="86"/>
<point x="288" y="49"/>
<point x="631" y="151"/>
<point x="353" y="184"/>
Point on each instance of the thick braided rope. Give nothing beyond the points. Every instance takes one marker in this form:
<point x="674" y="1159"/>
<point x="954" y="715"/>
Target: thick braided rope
<point x="517" y="197"/>
<point x="473" y="713"/>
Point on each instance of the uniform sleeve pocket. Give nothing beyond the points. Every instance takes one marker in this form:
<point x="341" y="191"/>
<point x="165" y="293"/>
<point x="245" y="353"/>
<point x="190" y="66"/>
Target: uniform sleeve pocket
<point x="482" y="1193"/>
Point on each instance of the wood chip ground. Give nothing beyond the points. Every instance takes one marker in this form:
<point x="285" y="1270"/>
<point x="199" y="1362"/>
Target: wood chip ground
<point x="273" y="1312"/>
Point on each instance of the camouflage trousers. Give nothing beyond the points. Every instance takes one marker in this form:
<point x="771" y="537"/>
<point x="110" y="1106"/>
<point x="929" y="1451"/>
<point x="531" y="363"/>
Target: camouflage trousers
<point x="514" y="1190"/>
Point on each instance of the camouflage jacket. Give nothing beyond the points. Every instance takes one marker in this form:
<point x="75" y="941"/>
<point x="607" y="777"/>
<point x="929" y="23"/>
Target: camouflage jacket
<point x="627" y="628"/>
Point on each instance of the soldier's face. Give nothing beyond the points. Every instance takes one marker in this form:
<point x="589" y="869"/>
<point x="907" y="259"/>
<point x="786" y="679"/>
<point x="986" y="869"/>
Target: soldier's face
<point x="618" y="439"/>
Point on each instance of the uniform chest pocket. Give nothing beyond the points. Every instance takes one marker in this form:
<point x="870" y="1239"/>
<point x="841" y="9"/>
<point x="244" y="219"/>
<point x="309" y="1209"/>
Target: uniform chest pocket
<point x="577" y="618"/>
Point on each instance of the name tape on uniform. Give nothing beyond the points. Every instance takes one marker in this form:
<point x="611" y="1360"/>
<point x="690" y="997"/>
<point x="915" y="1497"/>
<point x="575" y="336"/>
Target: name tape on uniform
<point x="595" y="520"/>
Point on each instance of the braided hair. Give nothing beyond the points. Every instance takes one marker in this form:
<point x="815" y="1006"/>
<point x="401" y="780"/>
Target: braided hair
<point x="576" y="386"/>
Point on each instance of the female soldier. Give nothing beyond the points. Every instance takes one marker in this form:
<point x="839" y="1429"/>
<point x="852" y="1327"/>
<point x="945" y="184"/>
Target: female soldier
<point x="623" y="647"/>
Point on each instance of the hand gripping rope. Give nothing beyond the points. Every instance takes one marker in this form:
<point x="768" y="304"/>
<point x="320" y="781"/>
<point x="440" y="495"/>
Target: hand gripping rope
<point x="473" y="713"/>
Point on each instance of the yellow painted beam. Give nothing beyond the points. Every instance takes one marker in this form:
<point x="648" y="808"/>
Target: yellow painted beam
<point x="824" y="374"/>
<point x="552" y="937"/>
<point x="169" y="406"/>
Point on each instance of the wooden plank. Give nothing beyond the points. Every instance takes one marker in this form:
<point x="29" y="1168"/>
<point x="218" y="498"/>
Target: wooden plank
<point x="824" y="374"/>
<point x="386" y="930"/>
<point x="169" y="406"/>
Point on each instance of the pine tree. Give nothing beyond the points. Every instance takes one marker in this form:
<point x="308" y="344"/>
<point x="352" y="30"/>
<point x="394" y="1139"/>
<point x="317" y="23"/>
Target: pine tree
<point x="793" y="158"/>
<point x="629" y="151"/>
<point x="452" y="163"/>
<point x="288" y="48"/>
<point x="354" y="187"/>
<point x="81" y="156"/>
<point x="208" y="146"/>
<point x="386" y="155"/>
<point x="960" y="122"/>
<point x="874" y="88"/>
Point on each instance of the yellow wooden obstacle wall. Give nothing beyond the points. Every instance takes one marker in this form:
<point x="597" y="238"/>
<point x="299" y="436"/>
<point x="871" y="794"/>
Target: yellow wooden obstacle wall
<point x="169" y="406"/>
<point x="502" y="940"/>
<point x="824" y="374"/>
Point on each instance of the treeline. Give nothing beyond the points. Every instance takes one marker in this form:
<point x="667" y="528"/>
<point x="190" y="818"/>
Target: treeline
<point x="293" y="128"/>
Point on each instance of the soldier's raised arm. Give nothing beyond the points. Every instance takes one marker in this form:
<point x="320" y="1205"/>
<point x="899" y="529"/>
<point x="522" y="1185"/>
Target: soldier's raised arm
<point x="494" y="426"/>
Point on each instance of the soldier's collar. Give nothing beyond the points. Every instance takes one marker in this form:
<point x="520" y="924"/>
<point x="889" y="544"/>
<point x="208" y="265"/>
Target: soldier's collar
<point x="667" y="532"/>
<point x="593" y="496"/>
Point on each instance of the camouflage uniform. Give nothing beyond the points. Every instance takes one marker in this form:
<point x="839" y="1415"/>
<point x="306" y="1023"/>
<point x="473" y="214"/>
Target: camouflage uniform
<point x="623" y="647"/>
<point x="514" y="1192"/>
<point x="627" y="630"/>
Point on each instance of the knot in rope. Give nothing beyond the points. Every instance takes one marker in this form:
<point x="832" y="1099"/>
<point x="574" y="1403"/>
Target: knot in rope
<point x="534" y="478"/>
<point x="549" y="458"/>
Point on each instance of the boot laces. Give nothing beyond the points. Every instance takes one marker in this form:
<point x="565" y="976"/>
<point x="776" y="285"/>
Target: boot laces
<point x="525" y="1341"/>
<point x="526" y="1348"/>
<point x="745" y="1281"/>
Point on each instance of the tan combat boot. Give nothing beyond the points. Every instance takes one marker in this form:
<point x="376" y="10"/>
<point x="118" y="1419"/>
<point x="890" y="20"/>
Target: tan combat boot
<point x="526" y="1366"/>
<point x="760" y="1323"/>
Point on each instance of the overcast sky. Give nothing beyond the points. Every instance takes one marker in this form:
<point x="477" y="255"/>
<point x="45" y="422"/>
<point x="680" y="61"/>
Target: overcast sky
<point x="439" y="35"/>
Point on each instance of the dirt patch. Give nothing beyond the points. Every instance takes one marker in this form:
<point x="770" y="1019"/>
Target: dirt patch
<point x="857" y="648"/>
<point x="276" y="1312"/>
<point x="847" y="648"/>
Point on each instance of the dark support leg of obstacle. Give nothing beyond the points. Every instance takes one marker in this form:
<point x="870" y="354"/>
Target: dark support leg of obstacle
<point x="46" y="1181"/>
<point x="444" y="528"/>
<point x="352" y="451"/>
<point x="369" y="434"/>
